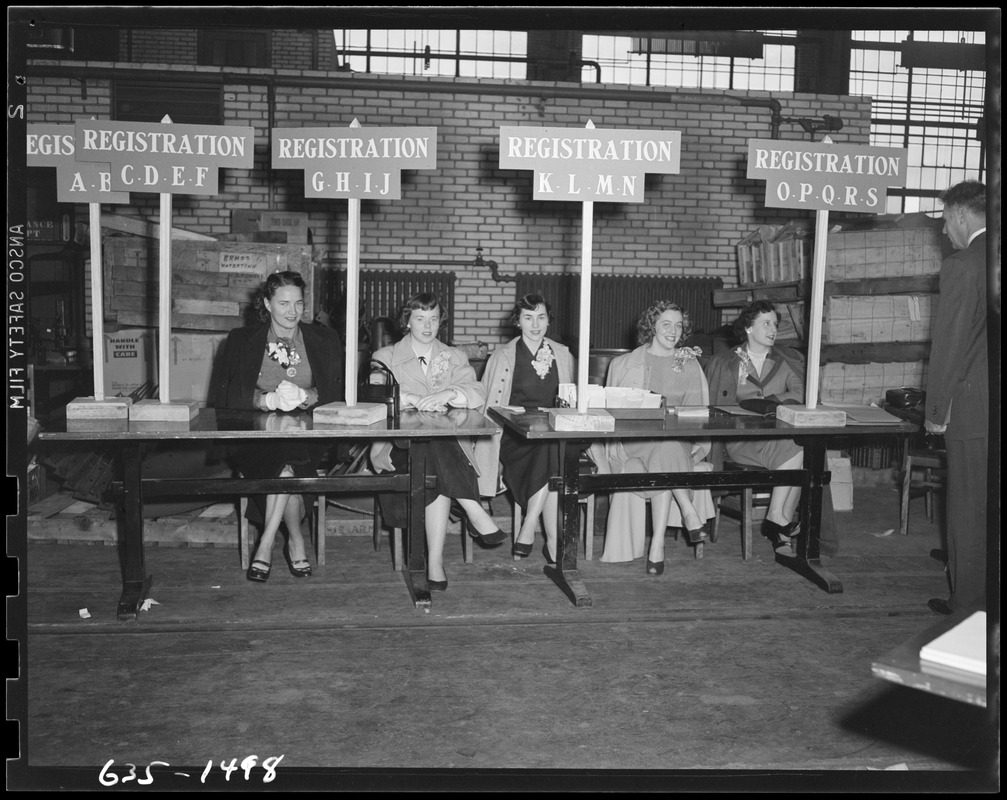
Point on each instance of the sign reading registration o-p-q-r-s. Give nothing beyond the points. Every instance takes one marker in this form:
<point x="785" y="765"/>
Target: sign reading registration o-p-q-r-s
<point x="355" y="162"/>
<point x="162" y="157"/>
<point x="826" y="176"/>
<point x="590" y="164"/>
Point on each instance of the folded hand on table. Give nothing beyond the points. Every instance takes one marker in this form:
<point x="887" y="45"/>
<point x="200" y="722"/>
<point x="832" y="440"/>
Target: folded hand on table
<point x="286" y="397"/>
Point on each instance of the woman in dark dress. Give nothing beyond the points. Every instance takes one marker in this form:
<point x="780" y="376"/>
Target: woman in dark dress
<point x="527" y="371"/>
<point x="281" y="365"/>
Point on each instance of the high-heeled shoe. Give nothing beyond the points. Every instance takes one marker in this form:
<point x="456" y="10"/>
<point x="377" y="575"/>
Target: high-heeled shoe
<point x="257" y="575"/>
<point x="548" y="558"/>
<point x="491" y="539"/>
<point x="437" y="586"/>
<point x="697" y="535"/>
<point x="655" y="568"/>
<point x="521" y="550"/>
<point x="777" y="534"/>
<point x="300" y="568"/>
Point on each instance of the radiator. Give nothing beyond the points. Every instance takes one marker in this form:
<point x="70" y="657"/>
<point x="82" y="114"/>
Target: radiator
<point x="616" y="304"/>
<point x="382" y="294"/>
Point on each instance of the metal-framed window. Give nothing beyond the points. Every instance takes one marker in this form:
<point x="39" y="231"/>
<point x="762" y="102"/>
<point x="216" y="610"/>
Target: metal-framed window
<point x="934" y="111"/>
<point x="652" y="62"/>
<point x="434" y="53"/>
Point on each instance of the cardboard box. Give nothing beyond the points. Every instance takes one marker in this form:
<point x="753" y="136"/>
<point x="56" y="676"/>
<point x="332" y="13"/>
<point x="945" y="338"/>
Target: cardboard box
<point x="841" y="483"/>
<point x="191" y="360"/>
<point x="130" y="361"/>
<point x="293" y="224"/>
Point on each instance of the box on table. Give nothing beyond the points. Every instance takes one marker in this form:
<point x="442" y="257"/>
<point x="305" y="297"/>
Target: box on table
<point x="620" y="402"/>
<point x="569" y="419"/>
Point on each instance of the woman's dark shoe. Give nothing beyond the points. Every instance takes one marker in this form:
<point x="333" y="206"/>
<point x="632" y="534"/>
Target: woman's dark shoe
<point x="257" y="575"/>
<point x="793" y="529"/>
<point x="697" y="535"/>
<point x="300" y="568"/>
<point x="488" y="539"/>
<point x="548" y="558"/>
<point x="521" y="550"/>
<point x="777" y="534"/>
<point x="655" y="567"/>
<point x="438" y="586"/>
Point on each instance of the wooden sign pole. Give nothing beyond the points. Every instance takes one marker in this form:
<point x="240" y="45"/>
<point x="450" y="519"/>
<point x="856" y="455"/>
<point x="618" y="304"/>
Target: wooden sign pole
<point x="352" y="300"/>
<point x="817" y="307"/>
<point x="97" y="306"/>
<point x="584" y="349"/>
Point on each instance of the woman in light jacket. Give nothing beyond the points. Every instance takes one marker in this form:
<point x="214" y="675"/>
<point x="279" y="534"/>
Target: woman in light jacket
<point x="661" y="364"/>
<point x="527" y="371"/>
<point x="432" y="378"/>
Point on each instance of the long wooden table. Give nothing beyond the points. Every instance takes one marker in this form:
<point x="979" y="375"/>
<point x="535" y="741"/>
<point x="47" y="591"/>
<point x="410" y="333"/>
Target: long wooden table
<point x="132" y="440"/>
<point x="534" y="425"/>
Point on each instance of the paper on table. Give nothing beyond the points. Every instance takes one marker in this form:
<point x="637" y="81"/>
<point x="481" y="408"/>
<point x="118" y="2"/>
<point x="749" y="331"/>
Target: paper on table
<point x="865" y="415"/>
<point x="738" y="411"/>
<point x="963" y="647"/>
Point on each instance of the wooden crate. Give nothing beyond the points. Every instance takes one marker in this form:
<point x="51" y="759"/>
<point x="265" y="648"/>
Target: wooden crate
<point x="764" y="259"/>
<point x="888" y="253"/>
<point x="212" y="283"/>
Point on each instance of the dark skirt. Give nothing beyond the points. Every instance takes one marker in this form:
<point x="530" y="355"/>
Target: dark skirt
<point x="266" y="459"/>
<point x="446" y="461"/>
<point x="527" y="466"/>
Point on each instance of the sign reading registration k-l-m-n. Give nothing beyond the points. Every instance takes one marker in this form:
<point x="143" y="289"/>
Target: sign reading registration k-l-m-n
<point x="355" y="162"/>
<point x="590" y="164"/>
<point x="826" y="176"/>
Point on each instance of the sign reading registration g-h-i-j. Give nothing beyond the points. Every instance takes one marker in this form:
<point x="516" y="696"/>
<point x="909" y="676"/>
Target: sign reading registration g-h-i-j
<point x="587" y="165"/>
<point x="823" y="177"/>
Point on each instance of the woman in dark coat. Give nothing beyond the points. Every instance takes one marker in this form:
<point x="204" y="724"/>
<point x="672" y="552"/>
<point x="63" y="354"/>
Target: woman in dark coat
<point x="281" y="365"/>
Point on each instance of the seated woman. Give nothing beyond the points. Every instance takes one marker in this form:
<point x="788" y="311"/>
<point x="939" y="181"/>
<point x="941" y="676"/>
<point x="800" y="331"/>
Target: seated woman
<point x="527" y="371"/>
<point x="279" y="365"/>
<point x="660" y="364"/>
<point x="757" y="370"/>
<point x="433" y="377"/>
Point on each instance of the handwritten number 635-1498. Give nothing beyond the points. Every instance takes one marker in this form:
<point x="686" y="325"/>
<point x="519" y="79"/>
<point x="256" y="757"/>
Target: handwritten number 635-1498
<point x="109" y="778"/>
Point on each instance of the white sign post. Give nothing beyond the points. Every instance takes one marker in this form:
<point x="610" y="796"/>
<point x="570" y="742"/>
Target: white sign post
<point x="54" y="146"/>
<point x="589" y="165"/>
<point x="359" y="164"/>
<point x="824" y="177"/>
<point x="165" y="159"/>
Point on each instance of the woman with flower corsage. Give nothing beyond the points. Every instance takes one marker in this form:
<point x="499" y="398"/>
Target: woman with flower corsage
<point x="281" y="365"/>
<point x="661" y="364"/>
<point x="527" y="372"/>
<point x="433" y="378"/>
<point x="757" y="370"/>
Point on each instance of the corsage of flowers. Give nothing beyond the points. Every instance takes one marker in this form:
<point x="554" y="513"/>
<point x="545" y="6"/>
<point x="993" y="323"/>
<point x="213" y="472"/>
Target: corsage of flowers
<point x="683" y="354"/>
<point x="282" y="351"/>
<point x="746" y="363"/>
<point x="438" y="369"/>
<point x="543" y="361"/>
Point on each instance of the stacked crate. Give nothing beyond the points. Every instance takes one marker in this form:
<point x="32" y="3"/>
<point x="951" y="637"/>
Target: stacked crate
<point x="877" y="319"/>
<point x="774" y="254"/>
<point x="212" y="290"/>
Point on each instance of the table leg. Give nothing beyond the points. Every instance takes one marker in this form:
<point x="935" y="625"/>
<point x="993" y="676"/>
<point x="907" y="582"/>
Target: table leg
<point x="807" y="560"/>
<point x="415" y="573"/>
<point x="135" y="580"/>
<point x="565" y="574"/>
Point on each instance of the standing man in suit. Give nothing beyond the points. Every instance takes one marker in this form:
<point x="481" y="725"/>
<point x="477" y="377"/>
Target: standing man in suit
<point x="957" y="403"/>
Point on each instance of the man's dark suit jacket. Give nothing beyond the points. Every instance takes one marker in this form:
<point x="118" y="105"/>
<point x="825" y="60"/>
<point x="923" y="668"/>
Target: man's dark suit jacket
<point x="958" y="373"/>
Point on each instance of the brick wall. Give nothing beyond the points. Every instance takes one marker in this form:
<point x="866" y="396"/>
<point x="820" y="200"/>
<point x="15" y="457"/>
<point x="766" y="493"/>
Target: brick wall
<point x="689" y="224"/>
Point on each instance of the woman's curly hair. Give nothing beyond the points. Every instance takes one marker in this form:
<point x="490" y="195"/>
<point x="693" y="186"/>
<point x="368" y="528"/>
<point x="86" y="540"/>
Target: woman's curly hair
<point x="645" y="326"/>
<point x="529" y="303"/>
<point x="424" y="301"/>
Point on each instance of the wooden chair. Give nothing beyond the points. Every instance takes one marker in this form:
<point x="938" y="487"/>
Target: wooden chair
<point x="397" y="538"/>
<point x="746" y="505"/>
<point x="932" y="462"/>
<point x="316" y="529"/>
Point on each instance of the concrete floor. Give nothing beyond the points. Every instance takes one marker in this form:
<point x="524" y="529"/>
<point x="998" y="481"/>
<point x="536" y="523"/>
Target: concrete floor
<point x="721" y="674"/>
